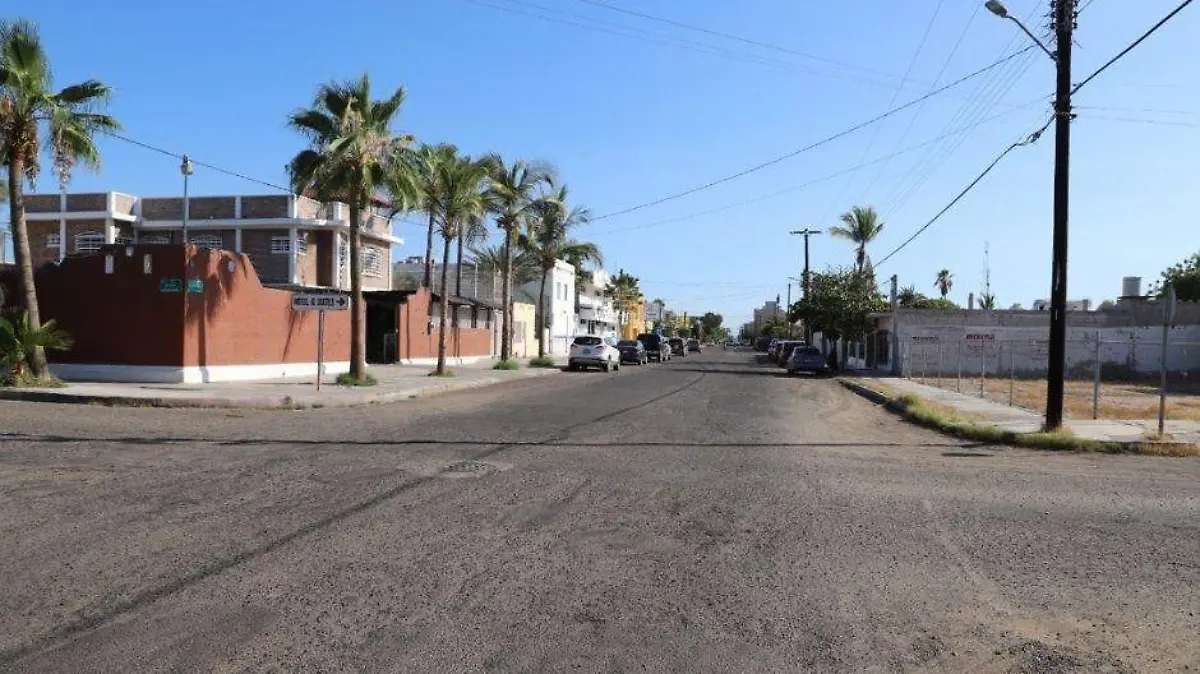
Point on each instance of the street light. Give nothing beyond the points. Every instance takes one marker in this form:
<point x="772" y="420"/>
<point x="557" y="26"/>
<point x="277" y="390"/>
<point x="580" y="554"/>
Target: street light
<point x="186" y="168"/>
<point x="996" y="7"/>
<point x="1064" y="27"/>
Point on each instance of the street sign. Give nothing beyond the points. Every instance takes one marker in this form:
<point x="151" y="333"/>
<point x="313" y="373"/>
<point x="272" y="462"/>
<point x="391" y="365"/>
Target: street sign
<point x="319" y="302"/>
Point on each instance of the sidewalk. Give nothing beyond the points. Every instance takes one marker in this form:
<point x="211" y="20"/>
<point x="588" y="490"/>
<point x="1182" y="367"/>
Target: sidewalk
<point x="396" y="382"/>
<point x="1017" y="420"/>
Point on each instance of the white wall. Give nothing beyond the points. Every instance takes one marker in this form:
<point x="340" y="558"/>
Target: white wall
<point x="560" y="302"/>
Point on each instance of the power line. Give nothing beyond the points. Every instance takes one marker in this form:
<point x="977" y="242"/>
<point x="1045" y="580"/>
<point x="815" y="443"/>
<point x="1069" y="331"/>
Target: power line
<point x="620" y="30"/>
<point x="812" y="146"/>
<point x="822" y="179"/>
<point x="731" y="36"/>
<point x="1132" y="46"/>
<point x="1135" y="120"/>
<point x="1028" y="141"/>
<point x="895" y="95"/>
<point x="218" y="169"/>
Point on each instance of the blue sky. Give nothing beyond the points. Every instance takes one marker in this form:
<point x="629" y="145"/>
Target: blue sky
<point x="628" y="120"/>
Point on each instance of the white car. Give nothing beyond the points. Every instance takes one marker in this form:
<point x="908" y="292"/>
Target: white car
<point x="591" y="351"/>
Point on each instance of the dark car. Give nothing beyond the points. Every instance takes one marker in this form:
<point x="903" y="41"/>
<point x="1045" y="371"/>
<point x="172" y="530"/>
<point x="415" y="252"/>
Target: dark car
<point x="783" y="351"/>
<point x="807" y="359"/>
<point x="657" y="348"/>
<point x="632" y="351"/>
<point x="678" y="347"/>
<point x="693" y="345"/>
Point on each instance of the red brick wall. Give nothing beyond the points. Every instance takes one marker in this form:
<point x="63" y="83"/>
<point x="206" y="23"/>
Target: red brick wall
<point x="238" y="322"/>
<point x="38" y="231"/>
<point x="418" y="342"/>
<point x="124" y="318"/>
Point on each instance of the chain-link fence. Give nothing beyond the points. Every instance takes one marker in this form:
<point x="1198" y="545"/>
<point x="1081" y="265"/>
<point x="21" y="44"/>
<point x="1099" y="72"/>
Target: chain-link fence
<point x="1106" y="378"/>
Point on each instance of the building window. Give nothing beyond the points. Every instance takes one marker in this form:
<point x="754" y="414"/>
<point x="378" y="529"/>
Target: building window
<point x="207" y="241"/>
<point x="88" y="242"/>
<point x="281" y="245"/>
<point x="123" y="239"/>
<point x="53" y="241"/>
<point x="155" y="239"/>
<point x="343" y="261"/>
<point x="302" y="244"/>
<point x="371" y="260"/>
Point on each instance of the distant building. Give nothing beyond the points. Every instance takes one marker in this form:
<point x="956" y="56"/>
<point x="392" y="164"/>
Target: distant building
<point x="1072" y="305"/>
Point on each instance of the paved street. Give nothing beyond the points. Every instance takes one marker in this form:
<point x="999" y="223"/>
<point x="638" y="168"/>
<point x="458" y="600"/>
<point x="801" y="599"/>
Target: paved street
<point x="701" y="515"/>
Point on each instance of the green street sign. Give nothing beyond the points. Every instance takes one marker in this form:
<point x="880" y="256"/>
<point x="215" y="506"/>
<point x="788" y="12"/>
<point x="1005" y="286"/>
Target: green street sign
<point x="170" y="285"/>
<point x="196" y="285"/>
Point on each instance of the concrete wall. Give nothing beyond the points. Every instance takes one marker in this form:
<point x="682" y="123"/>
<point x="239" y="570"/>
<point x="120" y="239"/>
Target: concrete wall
<point x="524" y="333"/>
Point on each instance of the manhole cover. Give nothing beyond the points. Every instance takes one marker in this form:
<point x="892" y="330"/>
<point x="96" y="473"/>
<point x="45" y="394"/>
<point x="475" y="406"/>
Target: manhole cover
<point x="468" y="469"/>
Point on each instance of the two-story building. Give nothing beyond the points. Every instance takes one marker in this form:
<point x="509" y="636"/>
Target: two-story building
<point x="559" y="326"/>
<point x="596" y="312"/>
<point x="291" y="239"/>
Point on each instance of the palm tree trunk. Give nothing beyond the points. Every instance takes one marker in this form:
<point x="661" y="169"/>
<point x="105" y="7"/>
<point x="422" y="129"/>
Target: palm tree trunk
<point x="445" y="305"/>
<point x="506" y="339"/>
<point x="429" y="253"/>
<point x="543" y="326"/>
<point x="458" y="268"/>
<point x="358" y="323"/>
<point x="16" y="205"/>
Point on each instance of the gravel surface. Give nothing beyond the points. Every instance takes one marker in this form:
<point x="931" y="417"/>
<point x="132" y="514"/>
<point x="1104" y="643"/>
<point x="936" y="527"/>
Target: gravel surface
<point x="704" y="515"/>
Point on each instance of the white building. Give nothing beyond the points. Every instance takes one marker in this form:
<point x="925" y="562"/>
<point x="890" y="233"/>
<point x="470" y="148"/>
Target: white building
<point x="560" y="324"/>
<point x="597" y="313"/>
<point x="656" y="311"/>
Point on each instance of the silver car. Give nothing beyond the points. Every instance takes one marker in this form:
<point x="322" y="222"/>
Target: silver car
<point x="807" y="359"/>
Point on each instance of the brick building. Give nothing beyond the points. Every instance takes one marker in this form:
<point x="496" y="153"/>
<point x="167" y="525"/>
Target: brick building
<point x="291" y="239"/>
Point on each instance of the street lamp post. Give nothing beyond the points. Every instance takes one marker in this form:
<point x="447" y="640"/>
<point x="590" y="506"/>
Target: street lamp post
<point x="186" y="168"/>
<point x="1064" y="28"/>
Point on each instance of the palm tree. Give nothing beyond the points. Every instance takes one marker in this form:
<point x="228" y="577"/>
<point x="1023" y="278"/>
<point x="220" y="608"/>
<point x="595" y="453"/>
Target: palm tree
<point x="514" y="190"/>
<point x="352" y="149"/>
<point x="460" y="199"/>
<point x="418" y="175"/>
<point x="491" y="259"/>
<point x="20" y="340"/>
<point x="27" y="100"/>
<point x="474" y="232"/>
<point x="861" y="226"/>
<point x="624" y="290"/>
<point x="548" y="239"/>
<point x="944" y="282"/>
<point x="987" y="301"/>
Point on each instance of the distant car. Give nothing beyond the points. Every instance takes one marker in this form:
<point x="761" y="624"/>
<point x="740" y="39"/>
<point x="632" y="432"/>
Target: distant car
<point x="693" y="345"/>
<point x="807" y="359"/>
<point x="762" y="344"/>
<point x="633" y="351"/>
<point x="591" y="351"/>
<point x="657" y="347"/>
<point x="773" y="349"/>
<point x="678" y="347"/>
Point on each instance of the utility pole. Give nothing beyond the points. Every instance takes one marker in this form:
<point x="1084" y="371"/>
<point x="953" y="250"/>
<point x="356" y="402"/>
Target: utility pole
<point x="787" y="313"/>
<point x="1064" y="28"/>
<point x="805" y="233"/>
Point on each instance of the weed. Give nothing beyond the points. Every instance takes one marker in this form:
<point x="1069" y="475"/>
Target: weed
<point x="347" y="379"/>
<point x="543" y="361"/>
<point x="506" y="365"/>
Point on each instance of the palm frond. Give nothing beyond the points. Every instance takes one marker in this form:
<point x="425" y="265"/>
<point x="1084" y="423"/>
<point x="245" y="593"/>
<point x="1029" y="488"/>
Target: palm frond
<point x="84" y="92"/>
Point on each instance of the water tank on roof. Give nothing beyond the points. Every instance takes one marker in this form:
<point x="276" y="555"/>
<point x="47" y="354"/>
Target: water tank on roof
<point x="1131" y="286"/>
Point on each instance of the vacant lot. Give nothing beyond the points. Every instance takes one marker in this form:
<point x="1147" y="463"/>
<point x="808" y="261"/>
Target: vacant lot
<point x="1117" y="400"/>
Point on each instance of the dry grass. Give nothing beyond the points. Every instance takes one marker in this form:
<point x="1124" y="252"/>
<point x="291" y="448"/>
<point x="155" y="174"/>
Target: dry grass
<point x="962" y="425"/>
<point x="1117" y="401"/>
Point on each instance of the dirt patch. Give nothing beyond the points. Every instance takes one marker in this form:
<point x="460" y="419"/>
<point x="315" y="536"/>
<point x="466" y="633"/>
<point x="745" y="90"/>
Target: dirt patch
<point x="1117" y="401"/>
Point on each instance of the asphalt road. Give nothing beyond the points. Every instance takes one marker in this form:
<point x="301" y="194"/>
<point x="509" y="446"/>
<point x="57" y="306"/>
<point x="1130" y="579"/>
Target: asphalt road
<point x="704" y="515"/>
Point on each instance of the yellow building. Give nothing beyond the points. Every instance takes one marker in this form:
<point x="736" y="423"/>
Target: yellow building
<point x="635" y="320"/>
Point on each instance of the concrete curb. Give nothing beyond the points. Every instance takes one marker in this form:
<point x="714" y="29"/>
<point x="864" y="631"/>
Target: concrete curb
<point x="265" y="402"/>
<point x="1015" y="438"/>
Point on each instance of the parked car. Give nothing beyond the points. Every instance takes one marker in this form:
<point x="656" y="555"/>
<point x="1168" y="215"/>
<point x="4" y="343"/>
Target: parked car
<point x="633" y="351"/>
<point x="807" y="359"/>
<point x="773" y="349"/>
<point x="657" y="347"/>
<point x="678" y="347"/>
<point x="591" y="351"/>
<point x="762" y="344"/>
<point x="784" y="351"/>
<point x="693" y="345"/>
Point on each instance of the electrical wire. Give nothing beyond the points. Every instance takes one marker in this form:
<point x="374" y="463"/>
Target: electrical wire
<point x="1033" y="138"/>
<point x="794" y="188"/>
<point x="620" y="30"/>
<point x="731" y="36"/>
<point x="811" y="146"/>
<point x="840" y="195"/>
<point x="1121" y="54"/>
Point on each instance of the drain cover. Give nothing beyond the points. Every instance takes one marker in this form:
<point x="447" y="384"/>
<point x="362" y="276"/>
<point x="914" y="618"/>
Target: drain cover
<point x="468" y="469"/>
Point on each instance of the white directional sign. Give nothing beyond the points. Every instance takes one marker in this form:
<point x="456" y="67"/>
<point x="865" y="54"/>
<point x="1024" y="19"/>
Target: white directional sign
<point x="319" y="302"/>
